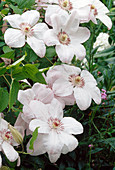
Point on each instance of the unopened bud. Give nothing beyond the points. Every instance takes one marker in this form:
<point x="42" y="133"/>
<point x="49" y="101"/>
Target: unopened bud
<point x="16" y="134"/>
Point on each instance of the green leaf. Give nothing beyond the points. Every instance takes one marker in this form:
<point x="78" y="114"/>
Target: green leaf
<point x="16" y="9"/>
<point x="70" y="168"/>
<point x="10" y="55"/>
<point x="2" y="44"/>
<point x="2" y="70"/>
<point x="25" y="4"/>
<point x="33" y="73"/>
<point x="96" y="150"/>
<point x="7" y="49"/>
<point x="3" y="99"/>
<point x="13" y="92"/>
<point x="18" y="73"/>
<point x="5" y="11"/>
<point x="33" y="139"/>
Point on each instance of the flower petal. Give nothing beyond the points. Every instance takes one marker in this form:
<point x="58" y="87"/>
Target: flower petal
<point x="14" y="38"/>
<point x="50" y="38"/>
<point x="72" y="126"/>
<point x="88" y="77"/>
<point x="106" y="20"/>
<point x="95" y="94"/>
<point x="37" y="46"/>
<point x="14" y="20"/>
<point x="25" y="96"/>
<point x="83" y="98"/>
<point x="79" y="51"/>
<point x="62" y="87"/>
<point x="53" y="146"/>
<point x="38" y="146"/>
<point x="69" y="142"/>
<point x="0" y="161"/>
<point x="43" y="126"/>
<point x="65" y="53"/>
<point x="31" y="17"/>
<point x="39" y="30"/>
<point x="10" y="152"/>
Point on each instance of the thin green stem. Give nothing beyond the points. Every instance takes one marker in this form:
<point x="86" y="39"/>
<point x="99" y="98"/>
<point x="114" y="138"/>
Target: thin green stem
<point x="48" y="60"/>
<point x="6" y="79"/>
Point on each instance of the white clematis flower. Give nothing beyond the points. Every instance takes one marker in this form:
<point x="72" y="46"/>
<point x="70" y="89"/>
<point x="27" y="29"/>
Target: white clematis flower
<point x="67" y="36"/>
<point x="55" y="132"/>
<point x="24" y="30"/>
<point x="6" y="142"/>
<point x="71" y="80"/>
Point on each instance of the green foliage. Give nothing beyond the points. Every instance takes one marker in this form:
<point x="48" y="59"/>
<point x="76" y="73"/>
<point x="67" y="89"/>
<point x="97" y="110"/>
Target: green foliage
<point x="3" y="99"/>
<point x="33" y="139"/>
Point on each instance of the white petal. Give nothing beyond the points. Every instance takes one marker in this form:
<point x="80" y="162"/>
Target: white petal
<point x="37" y="46"/>
<point x="53" y="146"/>
<point x="3" y="124"/>
<point x="14" y="20"/>
<point x="39" y="30"/>
<point x="106" y="20"/>
<point x="84" y="13"/>
<point x="65" y="53"/>
<point x="28" y="114"/>
<point x="10" y="152"/>
<point x="83" y="98"/>
<point x="31" y="17"/>
<point x="0" y="161"/>
<point x="50" y="38"/>
<point x="71" y="69"/>
<point x="55" y="109"/>
<point x="25" y="96"/>
<point x="95" y="94"/>
<point x="62" y="87"/>
<point x="39" y="109"/>
<point x="14" y="38"/>
<point x="79" y="51"/>
<point x="43" y="93"/>
<point x="43" y="126"/>
<point x="88" y="77"/>
<point x="69" y="141"/>
<point x="80" y="36"/>
<point x="38" y="146"/>
<point x="72" y="126"/>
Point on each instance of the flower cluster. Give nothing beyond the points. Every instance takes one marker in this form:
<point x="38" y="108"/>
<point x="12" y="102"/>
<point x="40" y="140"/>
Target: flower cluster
<point x="66" y="84"/>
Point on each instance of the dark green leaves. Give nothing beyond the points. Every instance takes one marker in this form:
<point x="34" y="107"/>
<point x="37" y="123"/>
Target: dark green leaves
<point x="3" y="99"/>
<point x="13" y="92"/>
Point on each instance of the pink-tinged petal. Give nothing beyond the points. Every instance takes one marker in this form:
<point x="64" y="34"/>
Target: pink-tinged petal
<point x="14" y="38"/>
<point x="38" y="146"/>
<point x="80" y="36"/>
<point x="10" y="152"/>
<point x="84" y="14"/>
<point x="72" y="126"/>
<point x="69" y="100"/>
<point x="72" y="23"/>
<point x="57" y="21"/>
<point x="31" y="17"/>
<point x="53" y="145"/>
<point x="83" y="98"/>
<point x="52" y="9"/>
<point x="0" y="161"/>
<point x="3" y="124"/>
<point x="50" y="38"/>
<point x="14" y="20"/>
<point x="25" y="96"/>
<point x="62" y="87"/>
<point x="28" y="114"/>
<point x="95" y="94"/>
<point x="65" y="53"/>
<point x="55" y="109"/>
<point x="39" y="30"/>
<point x="79" y="51"/>
<point x="70" y="70"/>
<point x="43" y="126"/>
<point x="105" y="20"/>
<point x="39" y="109"/>
<point x="69" y="141"/>
<point x="37" y="46"/>
<point x="93" y="18"/>
<point x="43" y="93"/>
<point x="88" y="77"/>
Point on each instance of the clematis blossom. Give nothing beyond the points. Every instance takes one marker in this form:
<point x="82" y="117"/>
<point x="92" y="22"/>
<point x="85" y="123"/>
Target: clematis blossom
<point x="67" y="36"/>
<point x="25" y="29"/>
<point x="70" y="80"/>
<point x="55" y="131"/>
<point x="7" y="142"/>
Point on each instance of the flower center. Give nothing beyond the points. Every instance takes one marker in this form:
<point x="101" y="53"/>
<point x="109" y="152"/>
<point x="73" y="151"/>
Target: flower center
<point x="55" y="124"/>
<point x="26" y="29"/>
<point x="63" y="38"/>
<point x="6" y="136"/>
<point x="65" y="4"/>
<point x="94" y="10"/>
<point x="76" y="80"/>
